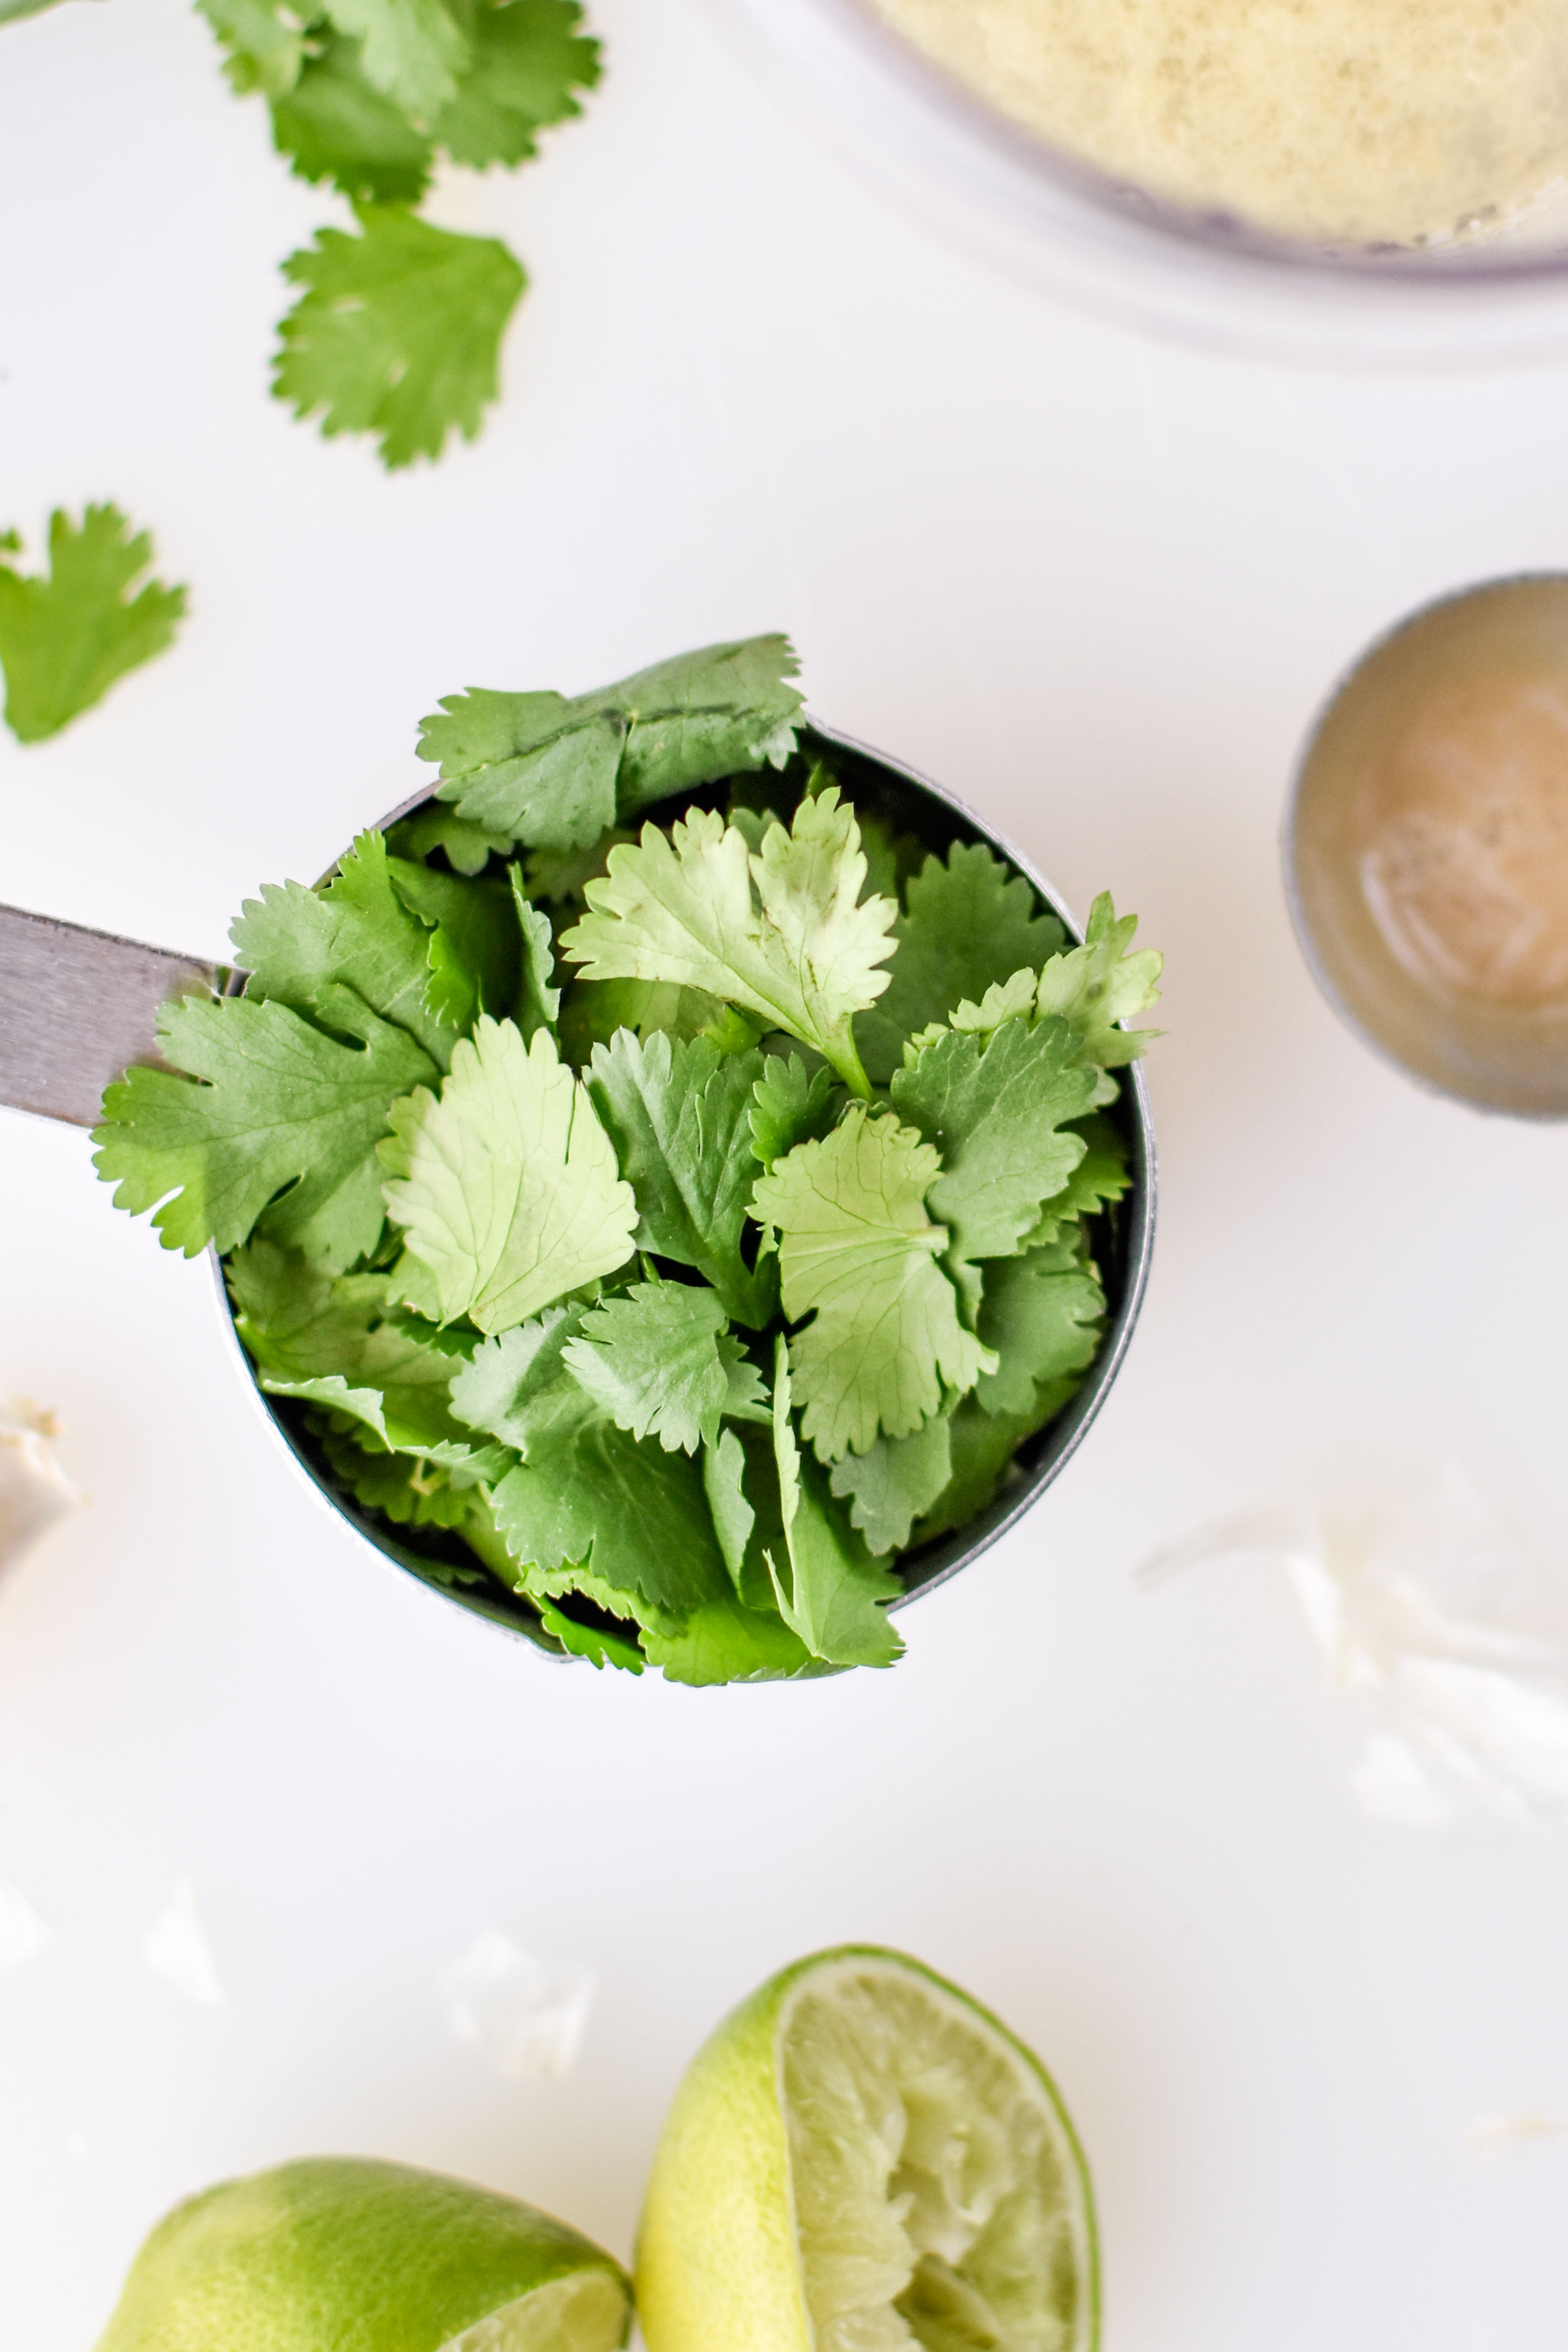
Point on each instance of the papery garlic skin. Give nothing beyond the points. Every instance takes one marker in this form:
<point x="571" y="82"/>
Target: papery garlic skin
<point x="1449" y="1637"/>
<point x="34" y="1490"/>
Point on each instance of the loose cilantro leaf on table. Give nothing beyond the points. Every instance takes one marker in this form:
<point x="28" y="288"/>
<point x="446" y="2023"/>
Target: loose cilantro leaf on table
<point x="523" y="62"/>
<point x="398" y="332"/>
<point x="527" y="61"/>
<point x="333" y="123"/>
<point x="557" y="771"/>
<point x="68" y="634"/>
<point x="265" y="40"/>
<point x="585" y="1282"/>
<point x="414" y="50"/>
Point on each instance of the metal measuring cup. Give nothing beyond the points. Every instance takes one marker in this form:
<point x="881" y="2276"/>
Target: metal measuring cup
<point x="76" y="1006"/>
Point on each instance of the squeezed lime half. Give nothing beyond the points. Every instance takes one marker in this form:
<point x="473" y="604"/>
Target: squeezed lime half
<point x="861" y="2159"/>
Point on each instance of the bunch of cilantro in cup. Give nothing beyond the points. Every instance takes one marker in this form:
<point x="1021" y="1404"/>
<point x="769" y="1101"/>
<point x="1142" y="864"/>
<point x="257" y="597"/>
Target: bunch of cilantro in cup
<point x="663" y="1232"/>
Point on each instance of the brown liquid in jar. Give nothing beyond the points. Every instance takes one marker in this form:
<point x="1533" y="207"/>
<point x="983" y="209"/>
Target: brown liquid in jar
<point x="1429" y="846"/>
<point x="1466" y="868"/>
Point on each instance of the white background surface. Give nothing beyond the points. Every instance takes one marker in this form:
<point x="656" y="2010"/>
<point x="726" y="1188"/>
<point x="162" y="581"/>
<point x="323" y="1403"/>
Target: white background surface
<point x="1098" y="585"/>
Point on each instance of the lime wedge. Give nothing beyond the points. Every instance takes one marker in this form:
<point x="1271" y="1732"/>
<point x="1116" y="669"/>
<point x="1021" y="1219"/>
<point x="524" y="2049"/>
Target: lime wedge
<point x="342" y="2255"/>
<point x="861" y="2159"/>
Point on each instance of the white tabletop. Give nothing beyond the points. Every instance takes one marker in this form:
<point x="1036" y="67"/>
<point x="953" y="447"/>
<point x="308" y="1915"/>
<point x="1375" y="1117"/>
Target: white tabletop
<point x="1097" y="585"/>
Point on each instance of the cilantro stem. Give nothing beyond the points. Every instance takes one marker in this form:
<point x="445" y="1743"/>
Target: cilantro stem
<point x="850" y="1068"/>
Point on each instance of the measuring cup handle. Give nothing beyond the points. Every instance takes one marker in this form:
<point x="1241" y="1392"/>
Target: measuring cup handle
<point x="76" y="1007"/>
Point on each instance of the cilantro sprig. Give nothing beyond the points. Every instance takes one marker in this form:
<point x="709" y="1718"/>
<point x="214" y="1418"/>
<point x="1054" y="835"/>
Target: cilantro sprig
<point x="397" y="330"/>
<point x="599" y="1231"/>
<point x="66" y="635"/>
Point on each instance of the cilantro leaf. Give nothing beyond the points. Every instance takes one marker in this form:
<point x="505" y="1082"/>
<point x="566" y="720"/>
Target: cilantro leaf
<point x="528" y="57"/>
<point x="477" y="961"/>
<point x="518" y="1387"/>
<point x="779" y="933"/>
<point x="554" y="771"/>
<point x="67" y="636"/>
<point x="968" y="922"/>
<point x="1097" y="987"/>
<point x="538" y="1002"/>
<point x="408" y="1492"/>
<point x="660" y="1360"/>
<point x="829" y="1590"/>
<point x="398" y="332"/>
<point x="414" y="50"/>
<point x="558" y="875"/>
<point x="678" y="1113"/>
<point x="718" y="1641"/>
<point x="333" y="124"/>
<point x="466" y="848"/>
<point x="1042" y="1314"/>
<point x="275" y="1103"/>
<point x="1004" y="1000"/>
<point x="592" y="1497"/>
<point x="893" y="1482"/>
<point x="330" y="1343"/>
<point x="859" y="1253"/>
<point x="507" y="1186"/>
<point x="265" y="40"/>
<point x="301" y="946"/>
<point x="722" y="1641"/>
<point x="982" y="1446"/>
<point x="996" y="1113"/>
<point x="592" y="1642"/>
<point x="1102" y="1175"/>
<point x="595" y="1009"/>
<point x="788" y="1107"/>
<point x="724" y="1484"/>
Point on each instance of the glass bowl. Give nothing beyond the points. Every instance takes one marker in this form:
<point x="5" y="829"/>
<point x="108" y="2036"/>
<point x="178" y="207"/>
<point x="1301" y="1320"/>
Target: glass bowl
<point x="1492" y="296"/>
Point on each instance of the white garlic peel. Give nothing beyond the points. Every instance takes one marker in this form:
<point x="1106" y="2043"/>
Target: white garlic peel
<point x="34" y="1490"/>
<point x="527" y="2016"/>
<point x="1449" y="1638"/>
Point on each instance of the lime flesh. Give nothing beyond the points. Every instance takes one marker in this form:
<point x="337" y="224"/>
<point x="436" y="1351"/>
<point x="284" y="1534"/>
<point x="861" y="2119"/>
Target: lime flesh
<point x="344" y="2254"/>
<point x="571" y="2314"/>
<point x="861" y="2160"/>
